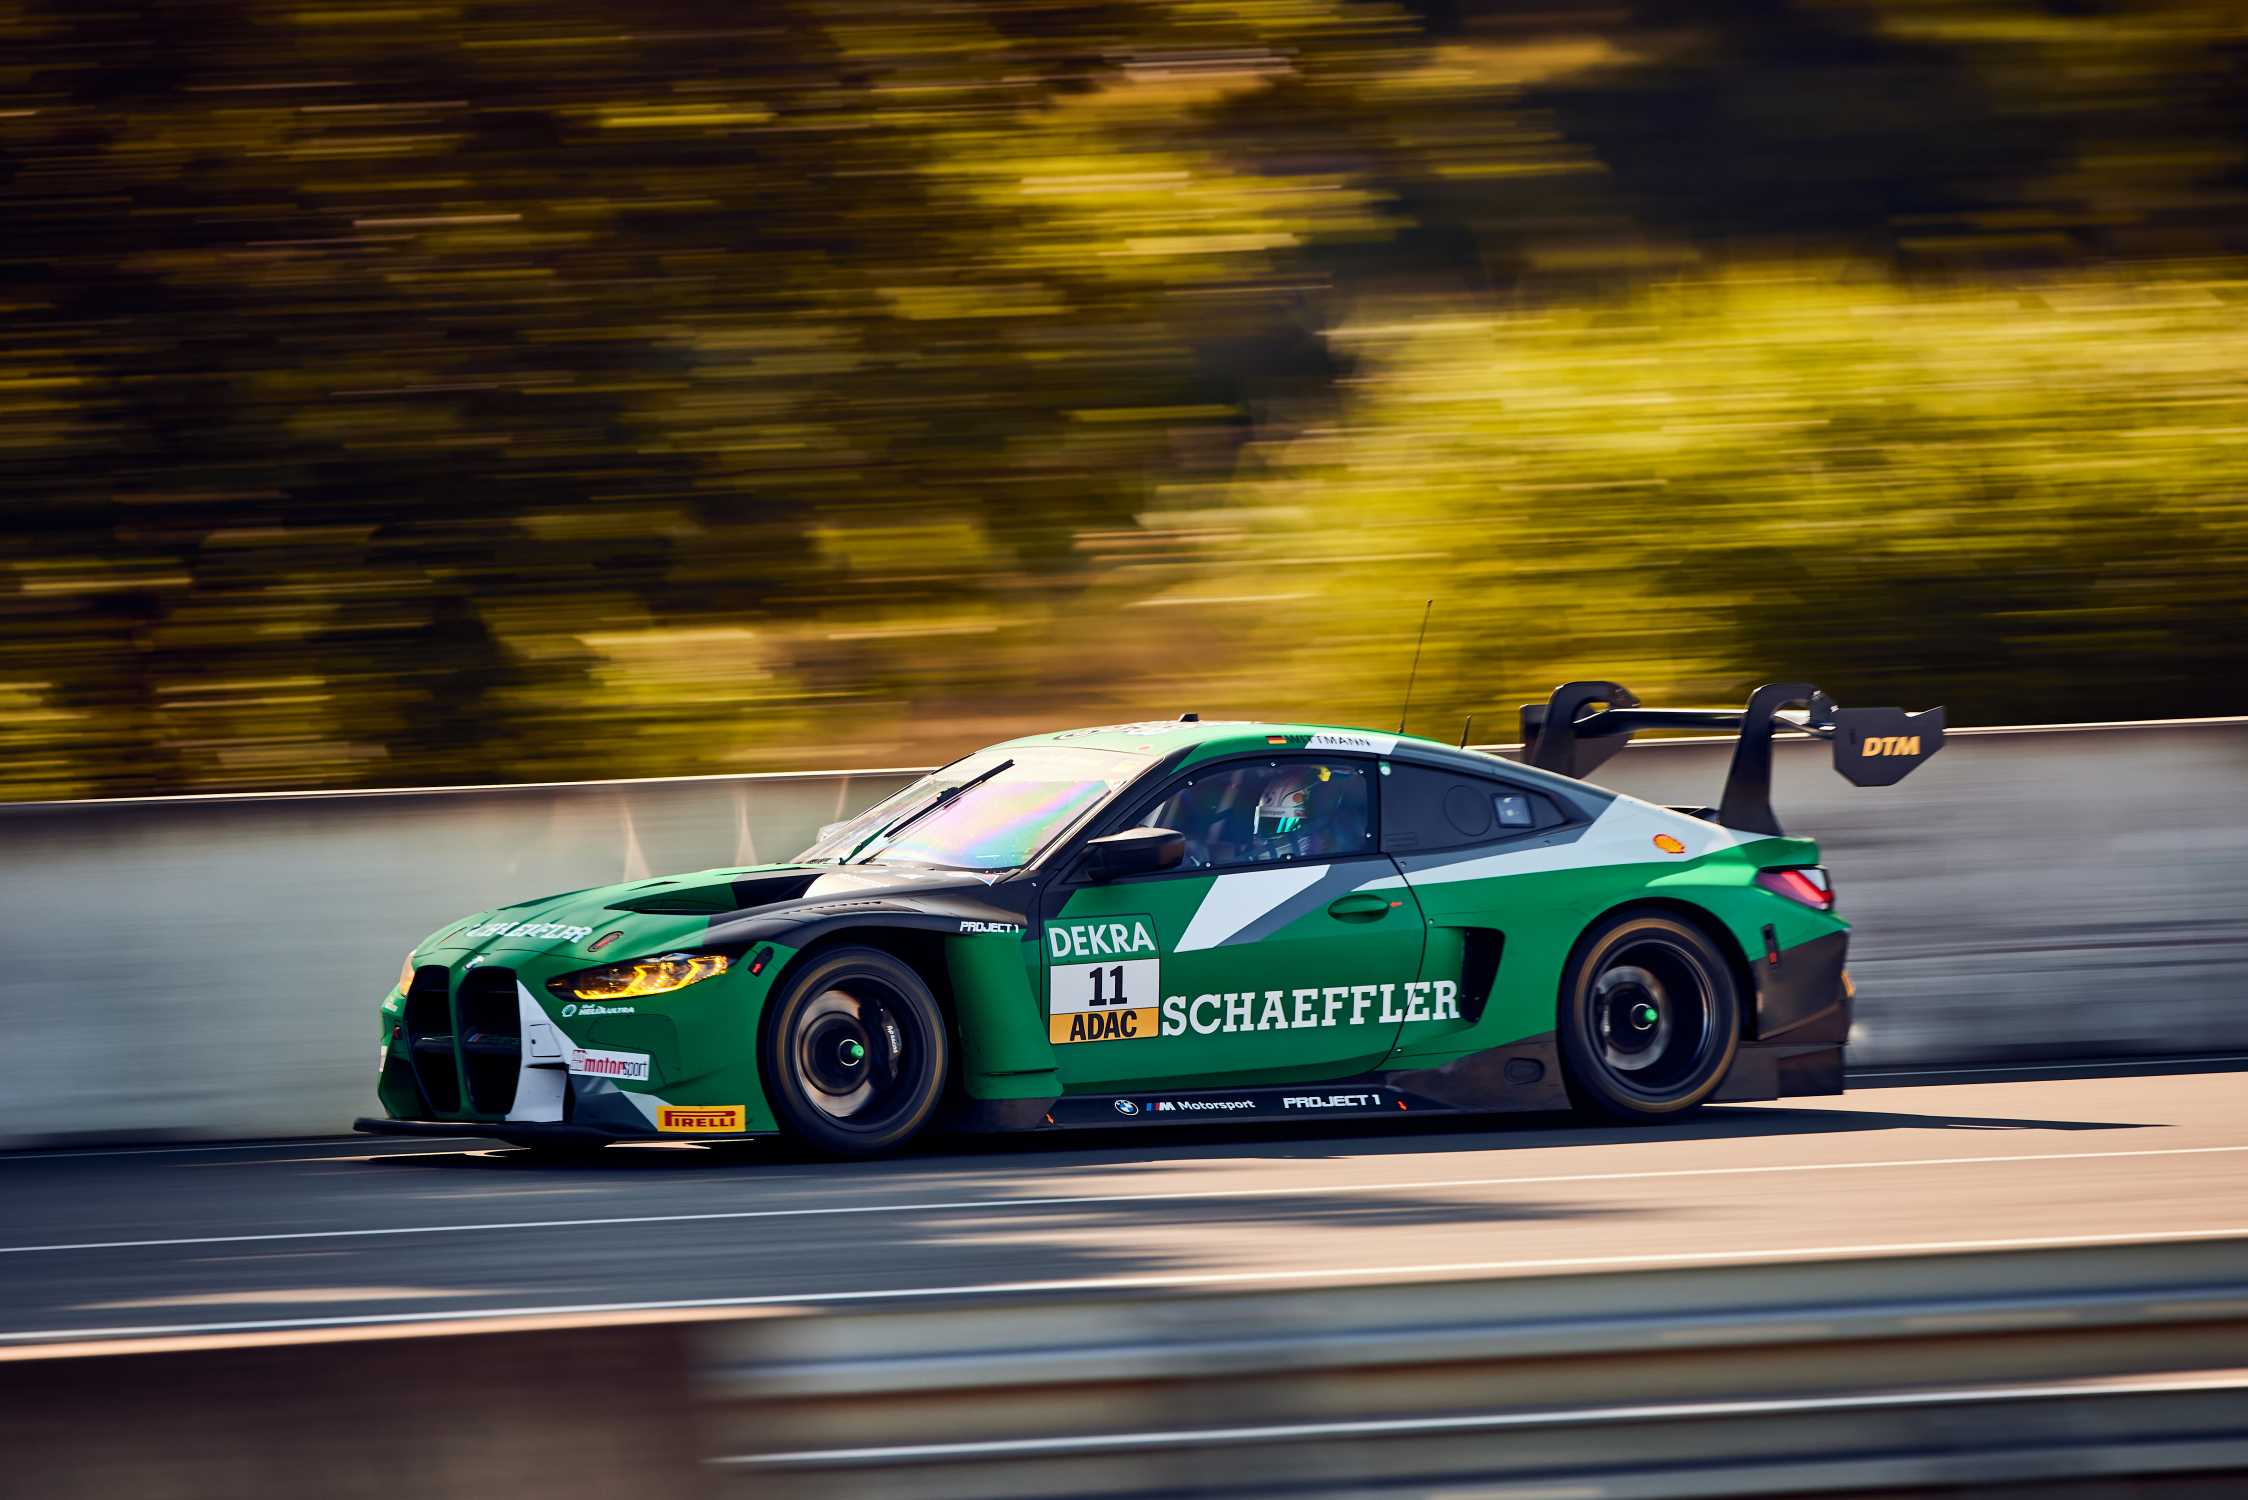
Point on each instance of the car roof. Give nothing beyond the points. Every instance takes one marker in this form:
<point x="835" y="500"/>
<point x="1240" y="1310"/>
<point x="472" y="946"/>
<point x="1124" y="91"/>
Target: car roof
<point x="1207" y="739"/>
<point x="1221" y="737"/>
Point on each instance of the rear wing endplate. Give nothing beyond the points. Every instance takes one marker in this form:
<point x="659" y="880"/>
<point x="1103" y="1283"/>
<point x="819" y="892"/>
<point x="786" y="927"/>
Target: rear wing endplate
<point x="1583" y="723"/>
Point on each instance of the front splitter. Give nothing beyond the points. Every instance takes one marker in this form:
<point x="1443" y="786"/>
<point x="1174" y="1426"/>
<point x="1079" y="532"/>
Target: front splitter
<point x="534" y="1133"/>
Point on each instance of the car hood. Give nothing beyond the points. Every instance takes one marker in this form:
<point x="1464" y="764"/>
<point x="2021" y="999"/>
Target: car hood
<point x="685" y="909"/>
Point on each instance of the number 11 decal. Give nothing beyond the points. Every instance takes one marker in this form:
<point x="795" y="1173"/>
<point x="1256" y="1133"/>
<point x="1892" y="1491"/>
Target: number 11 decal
<point x="1116" y="978"/>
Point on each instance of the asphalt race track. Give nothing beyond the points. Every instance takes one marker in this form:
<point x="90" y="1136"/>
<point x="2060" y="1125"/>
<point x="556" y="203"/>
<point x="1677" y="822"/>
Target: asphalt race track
<point x="134" y="1242"/>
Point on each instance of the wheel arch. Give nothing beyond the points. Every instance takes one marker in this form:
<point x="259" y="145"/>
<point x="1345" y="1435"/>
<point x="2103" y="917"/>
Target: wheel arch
<point x="918" y="947"/>
<point x="982" y="987"/>
<point x="790" y="1098"/>
<point x="1701" y="919"/>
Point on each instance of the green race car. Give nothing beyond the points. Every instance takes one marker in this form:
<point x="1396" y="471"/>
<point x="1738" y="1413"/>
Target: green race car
<point x="1167" y="922"/>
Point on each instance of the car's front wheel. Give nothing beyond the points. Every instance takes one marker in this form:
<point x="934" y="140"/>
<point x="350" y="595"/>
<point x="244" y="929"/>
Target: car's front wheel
<point x="855" y="1053"/>
<point x="1650" y="1018"/>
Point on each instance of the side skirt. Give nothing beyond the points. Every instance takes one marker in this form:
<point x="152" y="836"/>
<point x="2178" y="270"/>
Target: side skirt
<point x="1522" y="1077"/>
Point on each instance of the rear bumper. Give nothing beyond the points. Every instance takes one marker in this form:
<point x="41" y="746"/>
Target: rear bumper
<point x="530" y="1132"/>
<point x="1801" y="996"/>
<point x="1802" y="1021"/>
<point x="1778" y="1070"/>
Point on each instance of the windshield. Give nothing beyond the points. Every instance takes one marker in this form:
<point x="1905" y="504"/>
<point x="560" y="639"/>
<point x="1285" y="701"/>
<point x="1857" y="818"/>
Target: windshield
<point x="994" y="810"/>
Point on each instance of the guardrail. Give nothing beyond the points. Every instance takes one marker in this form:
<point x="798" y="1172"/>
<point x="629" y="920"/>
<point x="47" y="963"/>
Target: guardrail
<point x="2014" y="1367"/>
<point x="208" y="965"/>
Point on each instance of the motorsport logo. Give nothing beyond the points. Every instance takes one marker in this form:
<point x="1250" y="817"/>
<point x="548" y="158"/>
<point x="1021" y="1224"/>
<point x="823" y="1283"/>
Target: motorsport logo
<point x="1112" y="998"/>
<point x="526" y="930"/>
<point x="1203" y="1106"/>
<point x="1299" y="1009"/>
<point x="630" y="1066"/>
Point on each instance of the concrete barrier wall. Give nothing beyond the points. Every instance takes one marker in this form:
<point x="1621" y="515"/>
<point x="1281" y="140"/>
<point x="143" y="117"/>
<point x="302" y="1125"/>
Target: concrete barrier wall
<point x="2020" y="1370"/>
<point x="207" y="966"/>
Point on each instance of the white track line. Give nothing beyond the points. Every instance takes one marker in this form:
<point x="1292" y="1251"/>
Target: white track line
<point x="1583" y="1416"/>
<point x="1340" y="1275"/>
<point x="983" y="1205"/>
<point x="361" y="1144"/>
<point x="2045" y="1067"/>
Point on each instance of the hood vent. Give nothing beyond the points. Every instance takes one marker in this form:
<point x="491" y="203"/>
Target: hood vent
<point x="720" y="897"/>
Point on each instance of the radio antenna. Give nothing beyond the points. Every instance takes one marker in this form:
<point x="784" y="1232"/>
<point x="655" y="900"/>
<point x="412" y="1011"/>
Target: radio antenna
<point x="1464" y="728"/>
<point x="1416" y="671"/>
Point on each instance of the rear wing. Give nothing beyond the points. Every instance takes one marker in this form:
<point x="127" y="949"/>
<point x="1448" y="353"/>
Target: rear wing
<point x="1584" y="723"/>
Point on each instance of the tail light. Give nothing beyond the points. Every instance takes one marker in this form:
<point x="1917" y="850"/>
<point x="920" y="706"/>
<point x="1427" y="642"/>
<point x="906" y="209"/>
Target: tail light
<point x="1805" y="884"/>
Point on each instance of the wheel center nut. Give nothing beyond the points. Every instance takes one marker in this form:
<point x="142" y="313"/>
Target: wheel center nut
<point x="1644" y="1016"/>
<point x="853" y="1054"/>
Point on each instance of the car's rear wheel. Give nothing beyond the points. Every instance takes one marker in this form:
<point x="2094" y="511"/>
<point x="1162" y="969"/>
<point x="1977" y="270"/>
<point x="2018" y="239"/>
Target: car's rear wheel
<point x="1650" y="1018"/>
<point x="855" y="1053"/>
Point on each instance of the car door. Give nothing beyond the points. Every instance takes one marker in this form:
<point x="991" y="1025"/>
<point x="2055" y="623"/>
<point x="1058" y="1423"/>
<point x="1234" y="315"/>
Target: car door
<point x="1262" y="958"/>
<point x="1457" y="833"/>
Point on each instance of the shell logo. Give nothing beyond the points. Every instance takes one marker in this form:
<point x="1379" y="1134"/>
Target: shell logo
<point x="1669" y="844"/>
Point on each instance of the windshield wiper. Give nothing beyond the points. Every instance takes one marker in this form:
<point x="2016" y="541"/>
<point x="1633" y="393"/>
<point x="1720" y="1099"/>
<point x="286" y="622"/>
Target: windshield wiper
<point x="889" y="831"/>
<point x="872" y="834"/>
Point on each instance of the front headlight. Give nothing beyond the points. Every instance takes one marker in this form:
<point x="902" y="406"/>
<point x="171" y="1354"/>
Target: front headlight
<point x="406" y="973"/>
<point x="637" y="978"/>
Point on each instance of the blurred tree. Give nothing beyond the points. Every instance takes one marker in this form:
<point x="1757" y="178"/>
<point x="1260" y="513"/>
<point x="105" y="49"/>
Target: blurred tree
<point x="488" y="389"/>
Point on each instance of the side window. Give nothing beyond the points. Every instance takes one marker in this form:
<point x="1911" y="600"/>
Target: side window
<point x="1258" y="812"/>
<point x="1424" y="808"/>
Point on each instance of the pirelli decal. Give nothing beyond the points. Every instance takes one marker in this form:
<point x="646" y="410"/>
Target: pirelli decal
<point x="1104" y="982"/>
<point x="704" y="1119"/>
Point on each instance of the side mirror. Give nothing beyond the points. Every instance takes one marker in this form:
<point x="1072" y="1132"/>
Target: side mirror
<point x="1135" y="851"/>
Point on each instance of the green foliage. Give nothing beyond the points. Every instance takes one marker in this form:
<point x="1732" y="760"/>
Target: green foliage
<point x="2023" y="498"/>
<point x="490" y="390"/>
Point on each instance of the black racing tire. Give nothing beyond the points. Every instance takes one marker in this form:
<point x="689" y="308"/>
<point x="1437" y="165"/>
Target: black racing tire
<point x="855" y="1053"/>
<point x="1650" y="1018"/>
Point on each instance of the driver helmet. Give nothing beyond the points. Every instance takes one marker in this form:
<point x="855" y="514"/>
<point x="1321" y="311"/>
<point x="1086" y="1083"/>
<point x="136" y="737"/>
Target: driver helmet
<point x="1284" y="811"/>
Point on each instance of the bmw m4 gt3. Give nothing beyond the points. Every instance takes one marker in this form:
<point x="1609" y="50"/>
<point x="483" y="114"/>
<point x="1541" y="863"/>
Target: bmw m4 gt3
<point x="1166" y="922"/>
